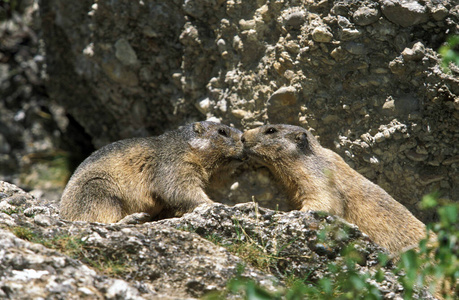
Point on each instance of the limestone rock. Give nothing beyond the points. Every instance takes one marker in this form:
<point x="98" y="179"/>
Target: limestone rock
<point x="405" y="12"/>
<point x="322" y="34"/>
<point x="171" y="259"/>
<point x="366" y="15"/>
<point x="147" y="261"/>
<point x="283" y="102"/>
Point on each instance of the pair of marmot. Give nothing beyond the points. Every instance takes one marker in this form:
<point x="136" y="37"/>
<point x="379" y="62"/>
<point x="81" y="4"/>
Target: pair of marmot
<point x="167" y="176"/>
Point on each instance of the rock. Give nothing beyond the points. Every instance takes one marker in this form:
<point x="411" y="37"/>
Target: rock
<point x="321" y="34"/>
<point x="355" y="48"/>
<point x="366" y="15"/>
<point x="152" y="260"/>
<point x="406" y="104"/>
<point x="193" y="8"/>
<point x="294" y="18"/>
<point x="124" y="52"/>
<point x="397" y="66"/>
<point x="405" y="13"/>
<point x="439" y="12"/>
<point x="389" y="107"/>
<point x="247" y="24"/>
<point x="33" y="271"/>
<point x="239" y="113"/>
<point x="339" y="54"/>
<point x="37" y="210"/>
<point x="119" y="73"/>
<point x="284" y="96"/>
<point x="283" y="102"/>
<point x="330" y="119"/>
<point x="348" y="34"/>
<point x="155" y="260"/>
<point x="4" y="146"/>
<point x="427" y="179"/>
<point x="274" y="231"/>
<point x="204" y="105"/>
<point x="136" y="218"/>
<point x="413" y="155"/>
<point x="414" y="54"/>
<point x="15" y="196"/>
<point x="451" y="160"/>
<point x="114" y="59"/>
<point x="379" y="137"/>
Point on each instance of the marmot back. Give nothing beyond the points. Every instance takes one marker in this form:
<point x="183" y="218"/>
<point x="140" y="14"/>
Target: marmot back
<point x="163" y="176"/>
<point x="316" y="178"/>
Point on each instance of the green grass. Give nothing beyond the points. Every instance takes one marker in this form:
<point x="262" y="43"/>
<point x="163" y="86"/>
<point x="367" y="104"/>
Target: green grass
<point x="11" y="210"/>
<point x="75" y="247"/>
<point x="449" y="54"/>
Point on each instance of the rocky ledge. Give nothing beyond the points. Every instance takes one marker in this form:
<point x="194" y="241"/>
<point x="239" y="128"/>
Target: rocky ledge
<point x="43" y="256"/>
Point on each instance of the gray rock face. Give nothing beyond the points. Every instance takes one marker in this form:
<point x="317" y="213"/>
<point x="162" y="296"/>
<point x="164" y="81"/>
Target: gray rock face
<point x="365" y="77"/>
<point x="49" y="258"/>
<point x="365" y="15"/>
<point x="153" y="261"/>
<point x="292" y="237"/>
<point x="34" y="271"/>
<point x="33" y="128"/>
<point x="405" y="12"/>
<point x="104" y="48"/>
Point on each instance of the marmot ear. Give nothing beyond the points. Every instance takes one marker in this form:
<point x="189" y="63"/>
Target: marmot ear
<point x="301" y="138"/>
<point x="198" y="128"/>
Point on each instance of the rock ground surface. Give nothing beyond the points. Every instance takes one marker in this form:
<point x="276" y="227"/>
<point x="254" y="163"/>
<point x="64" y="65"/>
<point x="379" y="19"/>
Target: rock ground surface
<point x="43" y="256"/>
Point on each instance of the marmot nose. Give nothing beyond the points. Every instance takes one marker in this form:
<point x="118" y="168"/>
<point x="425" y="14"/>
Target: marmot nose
<point x="243" y="139"/>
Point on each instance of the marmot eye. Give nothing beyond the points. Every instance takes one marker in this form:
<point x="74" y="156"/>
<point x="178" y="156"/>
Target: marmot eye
<point x="222" y="132"/>
<point x="271" y="130"/>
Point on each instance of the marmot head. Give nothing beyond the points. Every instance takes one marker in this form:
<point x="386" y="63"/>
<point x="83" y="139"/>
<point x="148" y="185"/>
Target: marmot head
<point x="215" y="140"/>
<point x="278" y="144"/>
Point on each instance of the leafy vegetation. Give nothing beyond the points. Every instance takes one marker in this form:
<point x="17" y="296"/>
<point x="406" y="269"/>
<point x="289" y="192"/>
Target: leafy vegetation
<point x="448" y="53"/>
<point x="434" y="265"/>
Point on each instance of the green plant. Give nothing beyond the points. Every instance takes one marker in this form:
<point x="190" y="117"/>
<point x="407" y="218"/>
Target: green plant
<point x="250" y="289"/>
<point x="448" y="54"/>
<point x="64" y="243"/>
<point x="433" y="264"/>
<point x="249" y="250"/>
<point x="24" y="233"/>
<point x="11" y="210"/>
<point x="109" y="265"/>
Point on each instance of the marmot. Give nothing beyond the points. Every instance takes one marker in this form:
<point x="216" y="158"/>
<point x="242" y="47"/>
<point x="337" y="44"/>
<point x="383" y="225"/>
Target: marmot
<point x="164" y="176"/>
<point x="316" y="178"/>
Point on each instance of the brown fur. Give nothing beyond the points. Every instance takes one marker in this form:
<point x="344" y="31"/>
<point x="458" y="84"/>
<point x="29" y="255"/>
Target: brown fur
<point x="316" y="178"/>
<point x="164" y="176"/>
